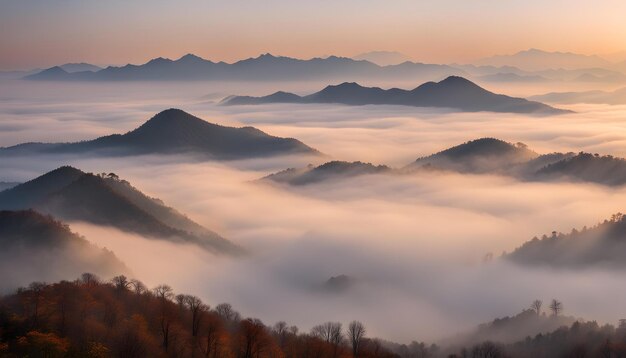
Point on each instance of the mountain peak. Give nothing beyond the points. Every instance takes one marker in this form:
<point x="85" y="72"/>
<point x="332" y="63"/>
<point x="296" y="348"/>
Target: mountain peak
<point x="158" y="61"/>
<point x="457" y="80"/>
<point x="190" y="57"/>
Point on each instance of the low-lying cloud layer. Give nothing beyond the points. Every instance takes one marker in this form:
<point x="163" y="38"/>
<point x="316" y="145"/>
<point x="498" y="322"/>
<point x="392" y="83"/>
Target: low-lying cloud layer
<point x="413" y="244"/>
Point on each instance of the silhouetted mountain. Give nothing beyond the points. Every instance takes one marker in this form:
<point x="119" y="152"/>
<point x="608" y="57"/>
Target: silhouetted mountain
<point x="38" y="248"/>
<point x="534" y="59"/>
<point x="6" y="185"/>
<point x="79" y="67"/>
<point x="263" y="68"/>
<point x="70" y="194"/>
<point x="338" y="284"/>
<point x="383" y="58"/>
<point x="512" y="77"/>
<point x="477" y="156"/>
<point x="173" y="132"/>
<point x="55" y="73"/>
<point x="328" y="171"/>
<point x="603" y="245"/>
<point x="586" y="167"/>
<point x="453" y="92"/>
<point x="600" y="97"/>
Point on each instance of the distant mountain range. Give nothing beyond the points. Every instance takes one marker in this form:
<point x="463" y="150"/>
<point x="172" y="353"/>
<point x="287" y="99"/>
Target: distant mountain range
<point x="383" y="58"/>
<point x="480" y="156"/>
<point x="616" y="97"/>
<point x="525" y="66"/>
<point x="176" y="132"/>
<point x="453" y="92"/>
<point x="535" y="59"/>
<point x="38" y="248"/>
<point x="107" y="200"/>
<point x="603" y="245"/>
<point x="263" y="68"/>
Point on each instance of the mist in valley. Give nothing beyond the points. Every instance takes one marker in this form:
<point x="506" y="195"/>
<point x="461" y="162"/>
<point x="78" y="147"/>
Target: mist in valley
<point x="413" y="246"/>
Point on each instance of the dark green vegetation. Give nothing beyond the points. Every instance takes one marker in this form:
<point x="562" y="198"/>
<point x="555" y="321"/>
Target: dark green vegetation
<point x="174" y="131"/>
<point x="107" y="200"/>
<point x="35" y="246"/>
<point x="453" y="92"/>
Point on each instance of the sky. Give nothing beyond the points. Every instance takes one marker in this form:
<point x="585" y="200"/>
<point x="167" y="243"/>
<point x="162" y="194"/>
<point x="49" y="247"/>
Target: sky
<point x="38" y="33"/>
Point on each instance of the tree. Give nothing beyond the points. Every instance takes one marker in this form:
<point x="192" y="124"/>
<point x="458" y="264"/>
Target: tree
<point x="536" y="306"/>
<point x="138" y="286"/>
<point x="120" y="282"/>
<point x="89" y="279"/>
<point x="356" y="332"/>
<point x="330" y="332"/>
<point x="197" y="309"/>
<point x="556" y="307"/>
<point x="164" y="293"/>
<point x="254" y="340"/>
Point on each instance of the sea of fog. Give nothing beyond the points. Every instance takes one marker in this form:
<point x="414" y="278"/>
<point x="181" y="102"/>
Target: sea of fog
<point x="413" y="245"/>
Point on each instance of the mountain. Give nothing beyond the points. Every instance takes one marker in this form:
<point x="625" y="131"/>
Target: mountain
<point x="262" y="68"/>
<point x="329" y="171"/>
<point x="534" y="60"/>
<point x="586" y="167"/>
<point x="453" y="92"/>
<point x="383" y="58"/>
<point x="175" y="132"/>
<point x="38" y="248"/>
<point x="510" y="329"/>
<point x="512" y="77"/>
<point x="477" y="156"/>
<point x="6" y="185"/>
<point x="603" y="245"/>
<point x="596" y="97"/>
<point x="79" y="67"/>
<point x="107" y="200"/>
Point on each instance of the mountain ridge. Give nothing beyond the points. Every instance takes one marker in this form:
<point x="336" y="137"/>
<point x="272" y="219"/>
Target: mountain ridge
<point x="107" y="200"/>
<point x="174" y="131"/>
<point x="453" y="92"/>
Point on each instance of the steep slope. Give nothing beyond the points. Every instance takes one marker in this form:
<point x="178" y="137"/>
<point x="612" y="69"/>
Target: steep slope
<point x="477" y="156"/>
<point x="603" y="245"/>
<point x="71" y="194"/>
<point x="329" y="171"/>
<point x="174" y="131"/>
<point x="452" y="93"/>
<point x="39" y="248"/>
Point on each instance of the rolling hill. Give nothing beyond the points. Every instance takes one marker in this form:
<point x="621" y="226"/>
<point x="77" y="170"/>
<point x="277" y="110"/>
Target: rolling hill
<point x="174" y="131"/>
<point x="107" y="200"/>
<point x="477" y="156"/>
<point x="603" y="245"/>
<point x="38" y="248"/>
<point x="453" y="92"/>
<point x="328" y="171"/>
